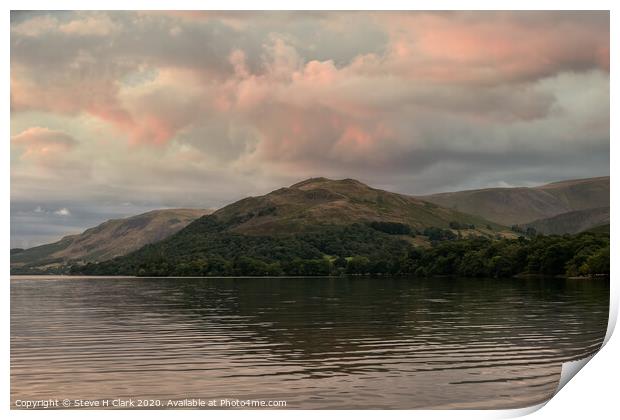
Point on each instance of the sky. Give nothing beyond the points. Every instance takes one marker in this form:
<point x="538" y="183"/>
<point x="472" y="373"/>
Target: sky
<point x="117" y="113"/>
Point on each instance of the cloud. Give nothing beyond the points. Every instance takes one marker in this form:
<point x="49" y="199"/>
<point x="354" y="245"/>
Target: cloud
<point x="210" y="65"/>
<point x="40" y="142"/>
<point x="62" y="212"/>
<point x="35" y="26"/>
<point x="495" y="47"/>
<point x="82" y="24"/>
<point x="101" y="25"/>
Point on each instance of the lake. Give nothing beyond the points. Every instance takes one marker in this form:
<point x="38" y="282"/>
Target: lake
<point x="312" y="342"/>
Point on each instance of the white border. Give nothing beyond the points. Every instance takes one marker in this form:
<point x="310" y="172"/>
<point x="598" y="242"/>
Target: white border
<point x="593" y="394"/>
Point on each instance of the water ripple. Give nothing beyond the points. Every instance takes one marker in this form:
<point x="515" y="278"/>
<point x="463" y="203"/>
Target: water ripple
<point x="316" y="343"/>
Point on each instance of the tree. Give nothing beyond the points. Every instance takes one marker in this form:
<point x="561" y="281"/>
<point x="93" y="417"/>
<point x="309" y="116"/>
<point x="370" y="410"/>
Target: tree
<point x="358" y="265"/>
<point x="500" y="266"/>
<point x="554" y="259"/>
<point x="599" y="262"/>
<point x="473" y="264"/>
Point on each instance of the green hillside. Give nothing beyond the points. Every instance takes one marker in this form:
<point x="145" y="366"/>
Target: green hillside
<point x="331" y="227"/>
<point x="572" y="221"/>
<point x="108" y="240"/>
<point x="306" y="228"/>
<point x="317" y="202"/>
<point x="602" y="229"/>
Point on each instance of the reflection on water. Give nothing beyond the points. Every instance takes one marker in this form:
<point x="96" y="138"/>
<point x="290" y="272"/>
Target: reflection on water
<point x="315" y="342"/>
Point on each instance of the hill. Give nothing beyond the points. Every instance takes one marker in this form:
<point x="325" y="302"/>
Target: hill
<point x="522" y="205"/>
<point x="108" y="240"/>
<point x="572" y="221"/>
<point x="317" y="202"/>
<point x="316" y="221"/>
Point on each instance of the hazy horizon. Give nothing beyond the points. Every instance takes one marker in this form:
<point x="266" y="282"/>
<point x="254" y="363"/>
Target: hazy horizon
<point x="117" y="113"/>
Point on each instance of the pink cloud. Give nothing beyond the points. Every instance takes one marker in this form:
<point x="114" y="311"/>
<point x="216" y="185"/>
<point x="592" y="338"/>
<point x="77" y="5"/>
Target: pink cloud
<point x="491" y="48"/>
<point x="64" y="93"/>
<point x="479" y="66"/>
<point x="149" y="114"/>
<point x="40" y="142"/>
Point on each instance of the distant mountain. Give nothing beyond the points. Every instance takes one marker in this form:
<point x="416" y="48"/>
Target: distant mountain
<point x="299" y="229"/>
<point x="108" y="240"/>
<point x="572" y="221"/>
<point x="317" y="202"/>
<point x="521" y="205"/>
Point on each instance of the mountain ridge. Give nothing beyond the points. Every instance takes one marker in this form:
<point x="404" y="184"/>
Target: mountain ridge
<point x="522" y="205"/>
<point x="107" y="240"/>
<point x="572" y="221"/>
<point x="330" y="227"/>
<point x="323" y="201"/>
<point x="341" y="209"/>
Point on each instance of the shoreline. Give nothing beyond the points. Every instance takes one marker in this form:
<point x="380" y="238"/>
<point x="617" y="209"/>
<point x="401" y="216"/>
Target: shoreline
<point x="377" y="276"/>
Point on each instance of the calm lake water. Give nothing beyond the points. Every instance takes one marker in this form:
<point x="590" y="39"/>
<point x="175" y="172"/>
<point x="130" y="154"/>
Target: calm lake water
<point x="313" y="342"/>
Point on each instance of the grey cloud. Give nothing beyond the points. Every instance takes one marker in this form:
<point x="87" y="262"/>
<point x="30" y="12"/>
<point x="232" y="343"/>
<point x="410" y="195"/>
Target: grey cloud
<point x="199" y="44"/>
